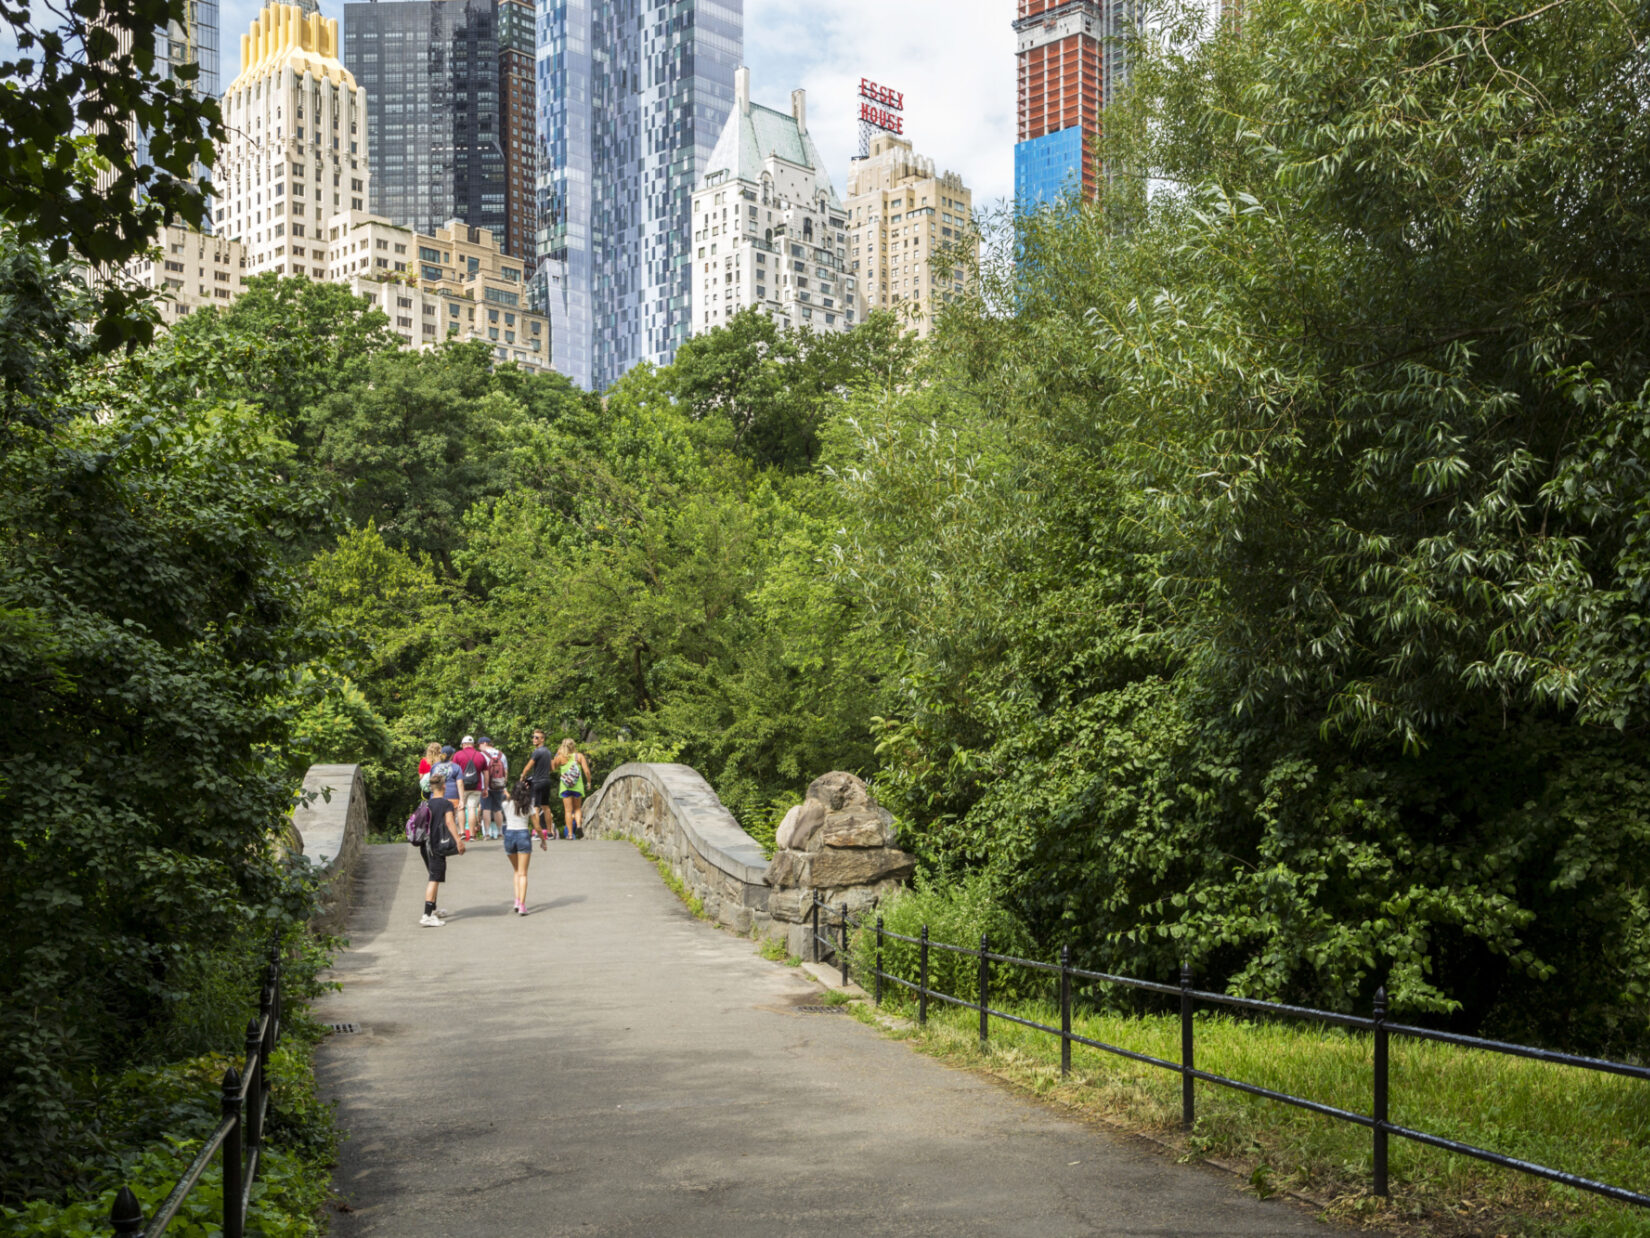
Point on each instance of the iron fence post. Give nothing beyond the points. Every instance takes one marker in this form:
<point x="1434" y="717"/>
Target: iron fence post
<point x="878" y="997"/>
<point x="844" y="943"/>
<point x="1188" y="1101"/>
<point x="985" y="988"/>
<point x="1065" y="1012"/>
<point x="922" y="978"/>
<point x="1380" y="1113"/>
<point x="126" y="1214"/>
<point x="234" y="1220"/>
<point x="253" y="1116"/>
<point x="813" y="949"/>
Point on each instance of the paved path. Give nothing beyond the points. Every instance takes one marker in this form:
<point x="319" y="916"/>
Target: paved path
<point x="610" y="1066"/>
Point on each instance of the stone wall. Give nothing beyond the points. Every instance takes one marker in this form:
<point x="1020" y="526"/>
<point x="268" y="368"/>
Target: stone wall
<point x="838" y="842"/>
<point x="673" y="810"/>
<point x="331" y="830"/>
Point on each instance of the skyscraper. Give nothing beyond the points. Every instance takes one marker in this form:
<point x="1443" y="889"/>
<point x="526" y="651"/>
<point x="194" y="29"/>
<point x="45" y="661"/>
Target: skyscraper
<point x="518" y="131"/>
<point x="1073" y="55"/>
<point x="431" y="72"/>
<point x="631" y="99"/>
<point x="296" y="155"/>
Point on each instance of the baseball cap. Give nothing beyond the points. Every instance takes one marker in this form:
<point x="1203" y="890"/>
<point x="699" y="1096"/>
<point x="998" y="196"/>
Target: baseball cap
<point x="447" y="751"/>
<point x="485" y="740"/>
<point x="468" y="740"/>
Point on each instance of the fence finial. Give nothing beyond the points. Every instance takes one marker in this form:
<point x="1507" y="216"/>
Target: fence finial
<point x="126" y="1214"/>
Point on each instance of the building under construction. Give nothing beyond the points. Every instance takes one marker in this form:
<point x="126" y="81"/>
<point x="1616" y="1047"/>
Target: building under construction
<point x="1073" y="57"/>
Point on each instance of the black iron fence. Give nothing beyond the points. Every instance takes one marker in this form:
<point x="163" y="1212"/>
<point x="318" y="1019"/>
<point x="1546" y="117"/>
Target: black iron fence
<point x="833" y="936"/>
<point x="240" y="1135"/>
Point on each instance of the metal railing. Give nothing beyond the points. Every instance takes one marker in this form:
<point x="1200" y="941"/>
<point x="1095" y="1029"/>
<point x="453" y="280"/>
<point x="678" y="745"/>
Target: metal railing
<point x="1381" y="1030"/>
<point x="240" y="1134"/>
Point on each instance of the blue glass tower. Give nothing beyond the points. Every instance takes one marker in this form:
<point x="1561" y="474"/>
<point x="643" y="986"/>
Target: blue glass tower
<point x="632" y="95"/>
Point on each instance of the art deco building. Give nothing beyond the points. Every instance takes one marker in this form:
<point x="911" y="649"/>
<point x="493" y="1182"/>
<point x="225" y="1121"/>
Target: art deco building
<point x="297" y="151"/>
<point x="431" y="71"/>
<point x="908" y="227"/>
<point x="1073" y="56"/>
<point x="768" y="228"/>
<point x="631" y="99"/>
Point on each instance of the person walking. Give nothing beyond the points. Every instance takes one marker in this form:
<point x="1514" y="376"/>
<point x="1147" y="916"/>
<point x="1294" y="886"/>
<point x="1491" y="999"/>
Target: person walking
<point x="443" y="825"/>
<point x="474" y="767"/>
<point x="574" y="772"/>
<point x="496" y="780"/>
<point x="449" y="775"/>
<point x="518" y="849"/>
<point x="541" y="777"/>
<point x="432" y="754"/>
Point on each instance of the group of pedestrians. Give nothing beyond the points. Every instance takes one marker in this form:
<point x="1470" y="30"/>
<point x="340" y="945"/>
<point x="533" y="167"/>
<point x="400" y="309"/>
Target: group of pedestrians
<point x="466" y="790"/>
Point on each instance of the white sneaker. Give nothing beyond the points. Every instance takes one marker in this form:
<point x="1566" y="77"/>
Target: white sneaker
<point x="430" y="921"/>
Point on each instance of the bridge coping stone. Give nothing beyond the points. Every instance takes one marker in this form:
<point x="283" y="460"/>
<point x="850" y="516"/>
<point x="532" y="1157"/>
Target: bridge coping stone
<point x="708" y="826"/>
<point x="331" y="831"/>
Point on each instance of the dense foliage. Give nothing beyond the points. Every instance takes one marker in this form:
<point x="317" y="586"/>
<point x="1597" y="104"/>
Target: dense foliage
<point x="1251" y="572"/>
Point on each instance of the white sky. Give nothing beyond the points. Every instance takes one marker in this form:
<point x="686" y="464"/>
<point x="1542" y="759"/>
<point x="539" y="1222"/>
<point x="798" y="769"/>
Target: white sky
<point x="954" y="59"/>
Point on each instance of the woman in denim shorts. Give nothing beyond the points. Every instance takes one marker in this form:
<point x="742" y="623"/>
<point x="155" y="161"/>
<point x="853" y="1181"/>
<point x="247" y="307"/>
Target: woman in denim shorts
<point x="518" y="847"/>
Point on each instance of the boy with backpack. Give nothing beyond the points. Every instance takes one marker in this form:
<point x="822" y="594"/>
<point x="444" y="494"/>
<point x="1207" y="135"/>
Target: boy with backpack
<point x="433" y="829"/>
<point x="472" y="784"/>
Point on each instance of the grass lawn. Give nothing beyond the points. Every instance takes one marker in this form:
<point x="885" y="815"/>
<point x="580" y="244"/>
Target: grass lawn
<point x="1578" y="1121"/>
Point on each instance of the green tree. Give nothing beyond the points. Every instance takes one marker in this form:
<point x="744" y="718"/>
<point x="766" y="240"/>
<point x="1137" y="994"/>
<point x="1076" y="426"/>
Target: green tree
<point x="152" y="645"/>
<point x="77" y="82"/>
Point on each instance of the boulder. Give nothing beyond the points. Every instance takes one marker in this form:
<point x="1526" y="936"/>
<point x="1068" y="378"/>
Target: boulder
<point x="804" y="821"/>
<point x="856" y="827"/>
<point x="839" y="790"/>
<point x="837" y="868"/>
<point x="782" y="836"/>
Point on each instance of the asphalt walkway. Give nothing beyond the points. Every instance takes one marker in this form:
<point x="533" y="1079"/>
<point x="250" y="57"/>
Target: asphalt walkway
<point x="610" y="1066"/>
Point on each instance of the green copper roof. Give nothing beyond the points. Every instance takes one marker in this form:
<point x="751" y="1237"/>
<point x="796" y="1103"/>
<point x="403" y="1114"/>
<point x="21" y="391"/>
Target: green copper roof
<point x="748" y="140"/>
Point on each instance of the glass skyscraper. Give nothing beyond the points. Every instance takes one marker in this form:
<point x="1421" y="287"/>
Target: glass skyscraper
<point x="632" y="95"/>
<point x="431" y="72"/>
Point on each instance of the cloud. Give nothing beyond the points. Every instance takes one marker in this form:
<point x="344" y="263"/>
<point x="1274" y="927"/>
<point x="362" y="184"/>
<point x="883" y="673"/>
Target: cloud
<point x="954" y="59"/>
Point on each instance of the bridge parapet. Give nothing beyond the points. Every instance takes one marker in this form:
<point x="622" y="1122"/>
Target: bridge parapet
<point x="838" y="842"/>
<point x="330" y="828"/>
<point x="674" y="810"/>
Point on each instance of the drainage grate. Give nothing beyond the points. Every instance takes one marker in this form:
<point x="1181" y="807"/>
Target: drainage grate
<point x="343" y="1027"/>
<point x="821" y="1010"/>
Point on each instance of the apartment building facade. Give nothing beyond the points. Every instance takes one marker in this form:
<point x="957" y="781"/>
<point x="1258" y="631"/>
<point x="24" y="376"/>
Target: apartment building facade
<point x="452" y="283"/>
<point x="431" y="69"/>
<point x="911" y="239"/>
<point x="193" y="269"/>
<point x="768" y="228"/>
<point x="1072" y="58"/>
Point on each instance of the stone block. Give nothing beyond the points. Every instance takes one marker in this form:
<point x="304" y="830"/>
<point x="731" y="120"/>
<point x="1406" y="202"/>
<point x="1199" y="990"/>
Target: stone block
<point x="837" y="869"/>
<point x="786" y="870"/>
<point x="838" y="790"/>
<point x="856" y="827"/>
<point x="788" y="905"/>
